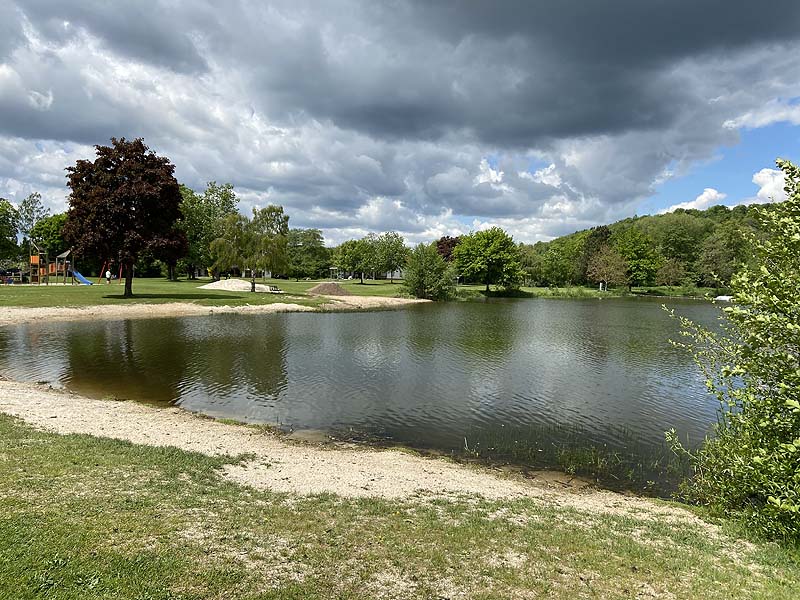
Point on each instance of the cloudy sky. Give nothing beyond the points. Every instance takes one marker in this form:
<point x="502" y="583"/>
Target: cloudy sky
<point x="430" y="118"/>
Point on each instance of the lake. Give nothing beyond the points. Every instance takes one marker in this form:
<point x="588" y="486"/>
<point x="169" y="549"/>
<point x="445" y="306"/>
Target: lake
<point x="585" y="385"/>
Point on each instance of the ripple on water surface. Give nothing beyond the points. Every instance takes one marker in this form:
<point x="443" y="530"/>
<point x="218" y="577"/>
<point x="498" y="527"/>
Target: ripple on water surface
<point x="427" y="375"/>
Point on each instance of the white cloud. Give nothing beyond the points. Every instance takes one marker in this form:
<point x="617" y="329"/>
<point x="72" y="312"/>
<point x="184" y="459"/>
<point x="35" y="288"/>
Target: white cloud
<point x="548" y="176"/>
<point x="770" y="183"/>
<point x="709" y="197"/>
<point x="487" y="174"/>
<point x="774" y="111"/>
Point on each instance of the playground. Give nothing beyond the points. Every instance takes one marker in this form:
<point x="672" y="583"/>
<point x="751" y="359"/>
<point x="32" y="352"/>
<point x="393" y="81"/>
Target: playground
<point x="44" y="271"/>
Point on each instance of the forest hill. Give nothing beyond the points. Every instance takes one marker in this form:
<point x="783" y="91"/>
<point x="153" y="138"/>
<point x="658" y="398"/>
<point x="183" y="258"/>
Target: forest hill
<point x="684" y="247"/>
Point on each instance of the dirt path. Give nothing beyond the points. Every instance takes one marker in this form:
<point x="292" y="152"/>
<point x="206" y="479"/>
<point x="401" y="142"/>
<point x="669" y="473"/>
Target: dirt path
<point x="14" y="315"/>
<point x="301" y="468"/>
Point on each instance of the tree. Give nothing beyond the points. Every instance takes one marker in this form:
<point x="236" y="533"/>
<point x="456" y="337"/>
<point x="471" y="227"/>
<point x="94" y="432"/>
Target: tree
<point x="491" y="257"/>
<point x="677" y="234"/>
<point x="445" y="246"/>
<point x="9" y="219"/>
<point x="256" y="244"/>
<point x="47" y="233"/>
<point x="639" y="252"/>
<point x="671" y="273"/>
<point x="353" y="256"/>
<point x="307" y="254"/>
<point x="121" y="203"/>
<point x="752" y="465"/>
<point x="392" y="253"/>
<point x="597" y="238"/>
<point x="31" y="211"/>
<point x="271" y="229"/>
<point x="170" y="248"/>
<point x="427" y="275"/>
<point x="202" y="220"/>
<point x="561" y="261"/>
<point x="722" y="254"/>
<point x="606" y="266"/>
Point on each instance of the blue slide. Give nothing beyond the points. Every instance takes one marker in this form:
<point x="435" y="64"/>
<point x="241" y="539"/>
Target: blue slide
<point x="81" y="278"/>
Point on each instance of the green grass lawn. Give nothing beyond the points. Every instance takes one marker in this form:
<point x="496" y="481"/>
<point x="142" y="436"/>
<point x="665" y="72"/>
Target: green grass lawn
<point x="84" y="518"/>
<point x="159" y="290"/>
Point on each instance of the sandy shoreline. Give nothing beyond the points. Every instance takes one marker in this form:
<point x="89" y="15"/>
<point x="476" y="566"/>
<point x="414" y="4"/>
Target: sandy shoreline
<point x="283" y="465"/>
<point x="14" y="315"/>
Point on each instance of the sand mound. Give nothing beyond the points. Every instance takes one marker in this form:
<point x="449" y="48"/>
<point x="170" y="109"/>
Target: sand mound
<point x="233" y="285"/>
<point x="329" y="288"/>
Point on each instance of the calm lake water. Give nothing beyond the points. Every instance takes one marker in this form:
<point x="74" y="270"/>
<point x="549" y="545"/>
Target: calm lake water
<point x="534" y="382"/>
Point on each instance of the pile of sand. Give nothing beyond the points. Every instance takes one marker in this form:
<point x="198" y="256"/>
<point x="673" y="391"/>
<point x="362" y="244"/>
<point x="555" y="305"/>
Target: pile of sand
<point x="329" y="288"/>
<point x="233" y="285"/>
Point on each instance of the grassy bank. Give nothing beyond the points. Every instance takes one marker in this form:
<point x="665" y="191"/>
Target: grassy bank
<point x="474" y="292"/>
<point x="84" y="517"/>
<point x="159" y="290"/>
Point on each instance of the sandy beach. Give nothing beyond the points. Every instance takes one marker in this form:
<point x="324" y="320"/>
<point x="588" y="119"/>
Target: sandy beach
<point x="13" y="315"/>
<point x="284" y="465"/>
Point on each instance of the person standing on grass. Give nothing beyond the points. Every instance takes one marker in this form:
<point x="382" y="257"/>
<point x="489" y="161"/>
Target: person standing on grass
<point x="108" y="276"/>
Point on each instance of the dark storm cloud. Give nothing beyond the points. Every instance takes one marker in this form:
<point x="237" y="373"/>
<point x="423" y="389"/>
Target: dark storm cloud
<point x="140" y="30"/>
<point x="542" y="116"/>
<point x="510" y="73"/>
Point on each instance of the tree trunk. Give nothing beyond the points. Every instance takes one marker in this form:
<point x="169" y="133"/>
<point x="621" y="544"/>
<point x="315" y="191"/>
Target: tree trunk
<point x="128" y="270"/>
<point x="253" y="281"/>
<point x="362" y="277"/>
<point x="487" y="286"/>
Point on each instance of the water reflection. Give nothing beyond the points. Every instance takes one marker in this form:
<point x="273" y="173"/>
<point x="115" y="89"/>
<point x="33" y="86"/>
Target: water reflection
<point x="427" y="376"/>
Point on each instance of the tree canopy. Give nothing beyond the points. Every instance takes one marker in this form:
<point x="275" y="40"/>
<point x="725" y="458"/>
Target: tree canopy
<point x="202" y="217"/>
<point x="307" y="254"/>
<point x="121" y="203"/>
<point x="47" y="233"/>
<point x="639" y="253"/>
<point x="427" y="275"/>
<point x="490" y="257"/>
<point x="31" y="210"/>
<point x="353" y="256"/>
<point x="259" y="243"/>
<point x="9" y="219"/>
<point x="445" y="246"/>
<point x="392" y="253"/>
<point x="607" y="266"/>
<point x="708" y="246"/>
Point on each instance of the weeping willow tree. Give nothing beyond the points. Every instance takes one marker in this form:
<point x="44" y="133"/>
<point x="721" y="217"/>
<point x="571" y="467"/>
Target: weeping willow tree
<point x="256" y="244"/>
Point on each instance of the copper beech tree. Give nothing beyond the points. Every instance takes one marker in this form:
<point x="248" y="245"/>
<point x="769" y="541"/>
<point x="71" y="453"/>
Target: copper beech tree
<point x="122" y="204"/>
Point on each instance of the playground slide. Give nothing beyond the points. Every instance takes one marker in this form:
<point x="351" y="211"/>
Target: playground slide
<point x="81" y="278"/>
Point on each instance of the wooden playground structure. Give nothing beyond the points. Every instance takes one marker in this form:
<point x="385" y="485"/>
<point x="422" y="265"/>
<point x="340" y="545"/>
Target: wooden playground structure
<point x="42" y="271"/>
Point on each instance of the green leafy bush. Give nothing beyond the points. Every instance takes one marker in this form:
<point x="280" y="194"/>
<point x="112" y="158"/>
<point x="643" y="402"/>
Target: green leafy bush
<point x="427" y="275"/>
<point x="751" y="467"/>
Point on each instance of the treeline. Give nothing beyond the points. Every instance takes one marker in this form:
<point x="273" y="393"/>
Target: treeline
<point x="684" y="247"/>
<point x="176" y="230"/>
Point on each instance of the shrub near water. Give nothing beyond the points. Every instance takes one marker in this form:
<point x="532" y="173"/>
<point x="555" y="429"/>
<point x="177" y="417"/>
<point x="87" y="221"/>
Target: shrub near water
<point x="427" y="275"/>
<point x="752" y="466"/>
